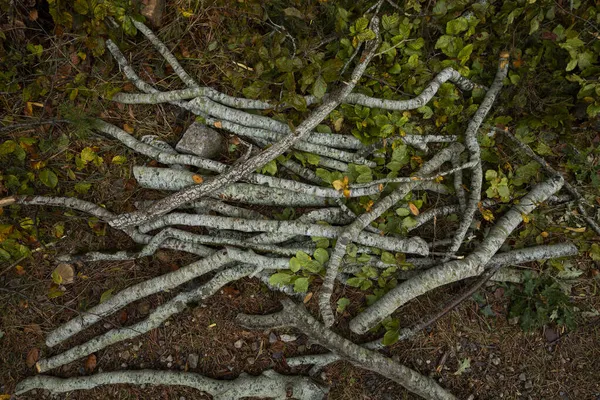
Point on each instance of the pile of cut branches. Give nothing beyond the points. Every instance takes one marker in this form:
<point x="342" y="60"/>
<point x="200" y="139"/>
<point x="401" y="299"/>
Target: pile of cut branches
<point x="289" y="256"/>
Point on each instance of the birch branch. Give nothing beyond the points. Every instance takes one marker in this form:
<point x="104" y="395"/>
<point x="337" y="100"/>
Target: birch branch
<point x="352" y="231"/>
<point x="242" y="170"/>
<point x="156" y="317"/>
<point x="568" y="187"/>
<point x="475" y="154"/>
<point x="456" y="270"/>
<point x="414" y="245"/>
<point x="269" y="384"/>
<point x="501" y="260"/>
<point x="296" y="316"/>
<point x="168" y="179"/>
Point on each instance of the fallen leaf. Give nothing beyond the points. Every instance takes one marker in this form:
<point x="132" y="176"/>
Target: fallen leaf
<point x="464" y="365"/>
<point x="20" y="270"/>
<point x="576" y="230"/>
<point x="197" y="179"/>
<point x="128" y="128"/>
<point x="90" y="363"/>
<point x="308" y="296"/>
<point x="218" y="124"/>
<point x="66" y="273"/>
<point x="230" y="291"/>
<point x="123" y="316"/>
<point x="33" y="15"/>
<point x="5" y="396"/>
<point x="32" y="357"/>
<point x="33" y="328"/>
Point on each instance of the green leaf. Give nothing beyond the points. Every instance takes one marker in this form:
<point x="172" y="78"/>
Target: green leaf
<point x="342" y="304"/>
<point x="82" y="187"/>
<point x="361" y="24"/>
<point x="390" y="21"/>
<point x="295" y="264"/>
<point x="280" y="279"/>
<point x="457" y="25"/>
<point x="48" y="178"/>
<point x="319" y="88"/>
<point x="81" y="7"/>
<point x="355" y="282"/>
<point x="321" y="255"/>
<point x="295" y="100"/>
<point x="388" y="258"/>
<point x="106" y="295"/>
<point x="313" y="159"/>
<point x="301" y="285"/>
<point x="395" y="69"/>
<point x="402" y="212"/>
<point x="56" y="277"/>
<point x="303" y="258"/>
<point x="293" y="12"/>
<point x="465" y="53"/>
<point x="464" y="365"/>
<point x="490" y="174"/>
<point x="390" y="338"/>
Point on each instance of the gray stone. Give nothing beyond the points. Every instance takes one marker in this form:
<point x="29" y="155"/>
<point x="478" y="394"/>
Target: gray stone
<point x="154" y="10"/>
<point x="288" y="338"/>
<point x="193" y="360"/>
<point x="202" y="141"/>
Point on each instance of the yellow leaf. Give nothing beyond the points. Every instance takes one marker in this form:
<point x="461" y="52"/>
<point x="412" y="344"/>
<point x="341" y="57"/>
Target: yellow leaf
<point x="577" y="230"/>
<point x="128" y="128"/>
<point x="20" y="270"/>
<point x="369" y="205"/>
<point x="186" y="13"/>
<point x="526" y="218"/>
<point x="212" y="325"/>
<point x="347" y="193"/>
<point x="5" y="396"/>
<point x="439" y="179"/>
<point x="544" y="234"/>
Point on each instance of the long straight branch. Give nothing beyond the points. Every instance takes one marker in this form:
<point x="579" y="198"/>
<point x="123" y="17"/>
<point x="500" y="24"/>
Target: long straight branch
<point x="268" y="384"/>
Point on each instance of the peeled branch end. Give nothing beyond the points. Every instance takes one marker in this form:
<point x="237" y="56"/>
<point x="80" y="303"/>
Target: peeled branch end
<point x="8" y="201"/>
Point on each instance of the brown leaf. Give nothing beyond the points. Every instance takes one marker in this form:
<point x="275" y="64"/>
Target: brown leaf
<point x="20" y="270"/>
<point x="33" y="15"/>
<point x="66" y="272"/>
<point x="74" y="58"/>
<point x="90" y="363"/>
<point x="198" y="179"/>
<point x="230" y="291"/>
<point x="32" y="357"/>
<point x="123" y="316"/>
<point x="218" y="124"/>
<point x="128" y="128"/>
<point x="33" y="329"/>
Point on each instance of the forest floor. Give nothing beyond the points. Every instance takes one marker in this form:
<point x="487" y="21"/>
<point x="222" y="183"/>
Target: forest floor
<point x="474" y="350"/>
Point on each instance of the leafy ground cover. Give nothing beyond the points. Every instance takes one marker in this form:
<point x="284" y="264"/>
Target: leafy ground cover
<point x="55" y="68"/>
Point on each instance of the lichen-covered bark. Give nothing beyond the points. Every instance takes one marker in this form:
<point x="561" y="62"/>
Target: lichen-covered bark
<point x="241" y="170"/>
<point x="456" y="270"/>
<point x="472" y="146"/>
<point x="269" y="384"/>
<point x="296" y="316"/>
<point x="352" y="232"/>
<point x="414" y="245"/>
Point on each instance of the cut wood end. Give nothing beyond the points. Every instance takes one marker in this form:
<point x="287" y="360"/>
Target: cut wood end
<point x="7" y="201"/>
<point x="38" y="369"/>
<point x="198" y="179"/>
